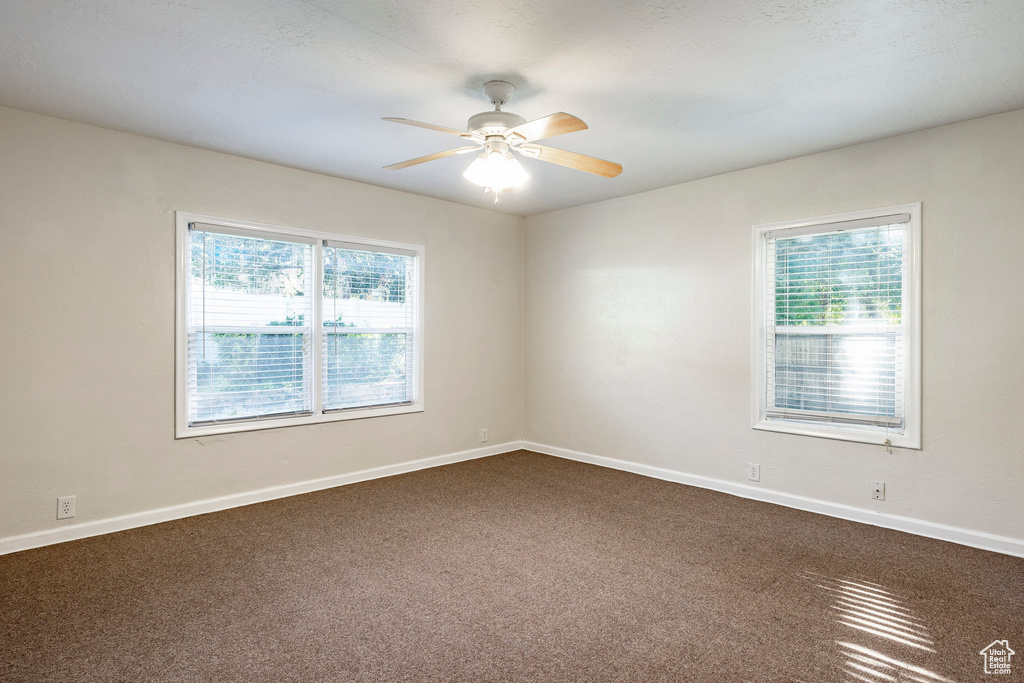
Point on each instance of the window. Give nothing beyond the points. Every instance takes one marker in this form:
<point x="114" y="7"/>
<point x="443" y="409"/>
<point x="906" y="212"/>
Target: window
<point x="837" y="326"/>
<point x="280" y="327"/>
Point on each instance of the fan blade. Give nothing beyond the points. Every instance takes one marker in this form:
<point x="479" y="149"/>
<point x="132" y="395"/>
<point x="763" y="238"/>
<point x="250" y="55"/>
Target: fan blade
<point x="428" y="126"/>
<point x="430" y="157"/>
<point x="573" y="160"/>
<point x="547" y="127"/>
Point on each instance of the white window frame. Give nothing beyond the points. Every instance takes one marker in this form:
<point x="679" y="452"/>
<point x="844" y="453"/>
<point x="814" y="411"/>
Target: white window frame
<point x="182" y="428"/>
<point x="911" y="436"/>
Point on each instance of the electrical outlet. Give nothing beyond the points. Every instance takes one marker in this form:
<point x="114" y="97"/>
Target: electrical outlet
<point x="753" y="472"/>
<point x="878" y="490"/>
<point x="483" y="435"/>
<point x="574" y="440"/>
<point x="65" y="507"/>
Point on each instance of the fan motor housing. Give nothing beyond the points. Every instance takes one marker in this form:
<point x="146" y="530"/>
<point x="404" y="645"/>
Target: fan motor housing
<point x="493" y="122"/>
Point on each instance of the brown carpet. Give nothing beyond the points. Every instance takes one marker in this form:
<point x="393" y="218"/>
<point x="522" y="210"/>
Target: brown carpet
<point x="519" y="567"/>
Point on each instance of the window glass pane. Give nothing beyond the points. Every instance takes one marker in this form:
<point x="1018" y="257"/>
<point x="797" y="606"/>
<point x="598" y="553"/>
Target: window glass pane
<point x="365" y="369"/>
<point x="837" y="373"/>
<point x="247" y="375"/>
<point x="249" y="321"/>
<point x="841" y="277"/>
<point x="368" y="310"/>
<point x="848" y="284"/>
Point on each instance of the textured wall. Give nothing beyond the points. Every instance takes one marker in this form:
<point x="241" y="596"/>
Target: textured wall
<point x="87" y="275"/>
<point x="638" y="325"/>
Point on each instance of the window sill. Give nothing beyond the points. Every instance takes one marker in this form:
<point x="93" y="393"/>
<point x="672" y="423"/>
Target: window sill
<point x="185" y="432"/>
<point x="872" y="435"/>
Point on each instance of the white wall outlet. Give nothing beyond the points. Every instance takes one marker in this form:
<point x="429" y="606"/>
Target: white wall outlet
<point x="878" y="490"/>
<point x="65" y="507"/>
<point x="753" y="472"/>
<point x="574" y="440"/>
<point x="483" y="435"/>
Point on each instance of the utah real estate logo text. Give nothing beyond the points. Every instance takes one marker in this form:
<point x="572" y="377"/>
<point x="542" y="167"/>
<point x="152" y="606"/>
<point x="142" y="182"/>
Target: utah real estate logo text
<point x="997" y="657"/>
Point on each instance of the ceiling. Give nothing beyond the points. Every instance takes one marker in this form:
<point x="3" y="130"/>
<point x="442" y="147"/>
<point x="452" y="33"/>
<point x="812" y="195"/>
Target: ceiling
<point x="672" y="90"/>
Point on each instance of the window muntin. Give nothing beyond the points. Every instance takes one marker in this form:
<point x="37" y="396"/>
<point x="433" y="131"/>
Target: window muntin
<point x="258" y="348"/>
<point x="836" y="349"/>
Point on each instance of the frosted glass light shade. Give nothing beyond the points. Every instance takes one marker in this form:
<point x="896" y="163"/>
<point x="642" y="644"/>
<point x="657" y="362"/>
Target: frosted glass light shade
<point x="496" y="171"/>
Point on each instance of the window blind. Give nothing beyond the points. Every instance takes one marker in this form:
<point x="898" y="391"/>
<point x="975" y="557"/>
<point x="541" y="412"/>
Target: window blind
<point x="249" y="319"/>
<point x="368" y="326"/>
<point x="834" y="342"/>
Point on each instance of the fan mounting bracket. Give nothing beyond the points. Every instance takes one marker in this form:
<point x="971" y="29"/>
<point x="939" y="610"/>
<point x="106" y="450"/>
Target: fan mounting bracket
<point x="498" y="92"/>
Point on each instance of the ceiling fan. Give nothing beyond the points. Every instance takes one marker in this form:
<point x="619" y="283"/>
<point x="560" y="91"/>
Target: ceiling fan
<point x="496" y="134"/>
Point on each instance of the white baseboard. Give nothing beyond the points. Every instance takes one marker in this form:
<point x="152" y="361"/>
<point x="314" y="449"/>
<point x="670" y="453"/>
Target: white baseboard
<point x="105" y="526"/>
<point x="976" y="539"/>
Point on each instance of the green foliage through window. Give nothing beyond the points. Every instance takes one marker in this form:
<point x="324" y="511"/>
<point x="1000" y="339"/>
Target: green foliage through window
<point x="840" y="277"/>
<point x="249" y="264"/>
<point x="352" y="274"/>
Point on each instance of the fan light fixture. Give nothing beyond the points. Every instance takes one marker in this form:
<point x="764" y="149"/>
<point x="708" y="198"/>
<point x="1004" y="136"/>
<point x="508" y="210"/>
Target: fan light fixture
<point x="496" y="171"/>
<point x="500" y="133"/>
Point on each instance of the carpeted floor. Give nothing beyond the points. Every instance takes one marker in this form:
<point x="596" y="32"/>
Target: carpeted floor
<point x="519" y="567"/>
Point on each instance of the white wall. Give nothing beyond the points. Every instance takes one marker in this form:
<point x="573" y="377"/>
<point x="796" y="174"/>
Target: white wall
<point x="638" y="316"/>
<point x="637" y="325"/>
<point x="87" y="340"/>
